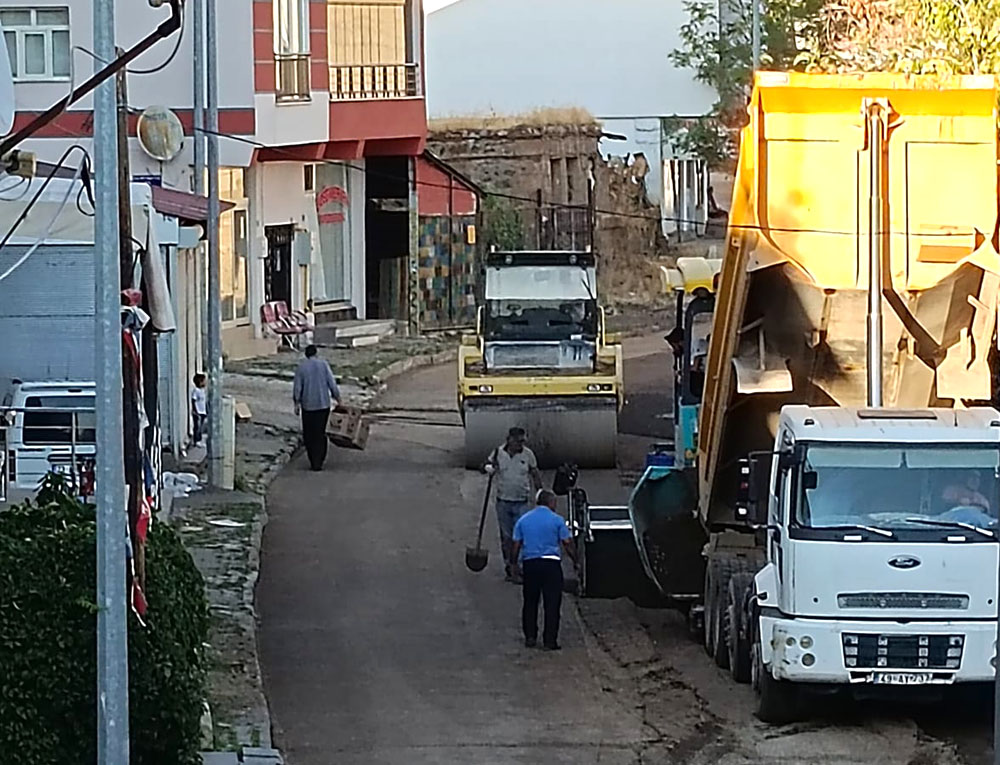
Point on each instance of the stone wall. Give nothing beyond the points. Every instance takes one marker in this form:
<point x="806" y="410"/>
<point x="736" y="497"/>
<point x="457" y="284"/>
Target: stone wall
<point x="518" y="166"/>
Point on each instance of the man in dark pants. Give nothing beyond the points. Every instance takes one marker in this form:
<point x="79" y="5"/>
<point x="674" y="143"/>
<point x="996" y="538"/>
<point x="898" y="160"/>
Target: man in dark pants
<point x="312" y="392"/>
<point x="540" y="534"/>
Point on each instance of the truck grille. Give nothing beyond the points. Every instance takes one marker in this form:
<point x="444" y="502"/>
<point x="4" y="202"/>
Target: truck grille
<point x="908" y="600"/>
<point x="873" y="651"/>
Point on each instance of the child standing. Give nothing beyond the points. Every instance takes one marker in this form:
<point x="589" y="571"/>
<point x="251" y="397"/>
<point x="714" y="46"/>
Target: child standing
<point x="199" y="411"/>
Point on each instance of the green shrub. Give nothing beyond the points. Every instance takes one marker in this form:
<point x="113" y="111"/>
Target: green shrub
<point x="48" y="628"/>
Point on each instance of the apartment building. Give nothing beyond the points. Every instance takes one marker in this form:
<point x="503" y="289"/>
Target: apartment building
<point x="322" y="123"/>
<point x="322" y="111"/>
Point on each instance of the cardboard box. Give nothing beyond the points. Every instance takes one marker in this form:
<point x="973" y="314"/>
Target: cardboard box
<point x="348" y="428"/>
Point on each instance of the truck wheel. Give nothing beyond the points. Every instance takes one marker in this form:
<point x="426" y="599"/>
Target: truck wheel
<point x="776" y="699"/>
<point x="737" y="639"/>
<point x="717" y="575"/>
<point x="722" y="627"/>
<point x="708" y="613"/>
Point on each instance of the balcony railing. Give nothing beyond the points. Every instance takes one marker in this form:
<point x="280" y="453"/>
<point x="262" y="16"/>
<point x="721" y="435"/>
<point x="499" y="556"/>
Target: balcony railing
<point x="292" y="76"/>
<point x="354" y="82"/>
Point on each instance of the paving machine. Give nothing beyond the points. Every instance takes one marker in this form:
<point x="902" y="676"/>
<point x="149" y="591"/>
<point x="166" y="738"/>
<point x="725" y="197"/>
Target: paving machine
<point x="541" y="360"/>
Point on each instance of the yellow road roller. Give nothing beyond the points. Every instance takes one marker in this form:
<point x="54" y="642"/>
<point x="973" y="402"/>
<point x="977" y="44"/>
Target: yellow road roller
<point x="541" y="360"/>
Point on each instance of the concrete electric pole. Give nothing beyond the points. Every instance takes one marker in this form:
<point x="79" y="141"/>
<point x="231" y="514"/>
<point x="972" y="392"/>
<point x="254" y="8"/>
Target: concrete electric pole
<point x="214" y="303"/>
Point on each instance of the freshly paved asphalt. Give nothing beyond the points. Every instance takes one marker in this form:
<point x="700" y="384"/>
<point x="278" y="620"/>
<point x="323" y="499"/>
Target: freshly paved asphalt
<point x="379" y="646"/>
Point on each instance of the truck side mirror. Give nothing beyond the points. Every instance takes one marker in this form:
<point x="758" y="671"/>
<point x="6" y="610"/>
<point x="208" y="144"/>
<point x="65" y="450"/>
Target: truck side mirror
<point x="752" y="490"/>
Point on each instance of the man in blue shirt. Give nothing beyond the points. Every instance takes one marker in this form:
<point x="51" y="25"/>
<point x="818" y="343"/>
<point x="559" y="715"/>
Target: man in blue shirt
<point x="313" y="391"/>
<point x="539" y="536"/>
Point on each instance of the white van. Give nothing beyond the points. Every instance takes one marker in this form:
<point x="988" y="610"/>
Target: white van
<point x="43" y="441"/>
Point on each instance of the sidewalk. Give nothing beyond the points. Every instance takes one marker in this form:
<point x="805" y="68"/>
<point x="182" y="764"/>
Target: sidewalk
<point x="222" y="530"/>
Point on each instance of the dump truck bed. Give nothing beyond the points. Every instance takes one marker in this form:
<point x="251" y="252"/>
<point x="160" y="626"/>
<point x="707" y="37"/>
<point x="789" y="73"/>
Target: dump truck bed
<point x="831" y="166"/>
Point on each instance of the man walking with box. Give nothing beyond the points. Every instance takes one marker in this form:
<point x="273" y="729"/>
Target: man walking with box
<point x="313" y="391"/>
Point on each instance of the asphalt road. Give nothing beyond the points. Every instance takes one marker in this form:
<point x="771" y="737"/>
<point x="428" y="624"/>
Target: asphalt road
<point x="378" y="646"/>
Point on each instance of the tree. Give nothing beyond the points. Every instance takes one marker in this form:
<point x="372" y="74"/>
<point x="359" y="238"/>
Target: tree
<point x="48" y="639"/>
<point x="913" y="36"/>
<point x="716" y="43"/>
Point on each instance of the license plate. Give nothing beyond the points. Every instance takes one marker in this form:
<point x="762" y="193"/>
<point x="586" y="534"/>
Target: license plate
<point x="901" y="678"/>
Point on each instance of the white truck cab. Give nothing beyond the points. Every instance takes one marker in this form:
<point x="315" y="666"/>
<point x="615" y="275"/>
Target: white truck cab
<point x="881" y="544"/>
<point x="40" y="433"/>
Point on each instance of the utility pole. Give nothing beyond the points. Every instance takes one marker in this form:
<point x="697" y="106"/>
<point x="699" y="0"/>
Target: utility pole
<point x="112" y="645"/>
<point x="214" y="303"/>
<point x="198" y="34"/>
<point x="756" y="34"/>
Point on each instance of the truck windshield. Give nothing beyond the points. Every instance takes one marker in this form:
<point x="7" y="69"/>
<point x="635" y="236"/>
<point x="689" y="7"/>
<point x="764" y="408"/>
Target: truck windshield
<point x="900" y="487"/>
<point x="551" y="320"/>
<point x="55" y="427"/>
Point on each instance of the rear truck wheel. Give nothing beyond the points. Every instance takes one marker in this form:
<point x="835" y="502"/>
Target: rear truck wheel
<point x="737" y="638"/>
<point x="776" y="700"/>
<point x="722" y="628"/>
<point x="708" y="611"/>
<point x="582" y="430"/>
<point x="717" y="574"/>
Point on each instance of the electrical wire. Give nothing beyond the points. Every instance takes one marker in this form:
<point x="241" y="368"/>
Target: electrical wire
<point x="48" y="229"/>
<point x="45" y="183"/>
<point x="151" y="70"/>
<point x="532" y="203"/>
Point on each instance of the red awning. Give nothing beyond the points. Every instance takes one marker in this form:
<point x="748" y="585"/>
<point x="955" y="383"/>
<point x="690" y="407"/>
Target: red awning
<point x="185" y="206"/>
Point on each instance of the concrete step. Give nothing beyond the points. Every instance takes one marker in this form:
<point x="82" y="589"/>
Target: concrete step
<point x="353" y="334"/>
<point x="332" y="311"/>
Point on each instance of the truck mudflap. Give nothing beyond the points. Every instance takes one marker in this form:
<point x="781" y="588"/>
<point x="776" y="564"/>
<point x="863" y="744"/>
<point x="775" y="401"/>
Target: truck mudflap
<point x="582" y="430"/>
<point x="668" y="535"/>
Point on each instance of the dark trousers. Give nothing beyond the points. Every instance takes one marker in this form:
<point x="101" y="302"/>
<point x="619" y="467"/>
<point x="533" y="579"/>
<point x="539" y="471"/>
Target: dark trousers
<point x="314" y="434"/>
<point x="543" y="579"/>
<point x="198" y="422"/>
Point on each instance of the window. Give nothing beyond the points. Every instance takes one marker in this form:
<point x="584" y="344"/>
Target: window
<point x="309" y="177"/>
<point x="291" y="49"/>
<point x="367" y="32"/>
<point x="368" y="48"/>
<point x="37" y="42"/>
<point x="51" y="427"/>
<point x="291" y="27"/>
<point x="233" y="245"/>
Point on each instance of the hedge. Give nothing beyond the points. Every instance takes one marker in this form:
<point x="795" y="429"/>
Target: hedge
<point x="48" y="640"/>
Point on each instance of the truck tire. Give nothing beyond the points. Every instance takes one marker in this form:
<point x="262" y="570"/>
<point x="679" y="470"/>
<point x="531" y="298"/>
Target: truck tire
<point x="708" y="613"/>
<point x="737" y="637"/>
<point x="777" y="700"/>
<point x="717" y="574"/>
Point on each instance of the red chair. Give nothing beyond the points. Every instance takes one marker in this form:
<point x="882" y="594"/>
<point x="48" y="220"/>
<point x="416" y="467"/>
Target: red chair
<point x="287" y="326"/>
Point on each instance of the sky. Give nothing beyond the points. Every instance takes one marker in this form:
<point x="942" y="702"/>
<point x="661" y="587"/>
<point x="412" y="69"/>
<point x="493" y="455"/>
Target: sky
<point x="432" y="5"/>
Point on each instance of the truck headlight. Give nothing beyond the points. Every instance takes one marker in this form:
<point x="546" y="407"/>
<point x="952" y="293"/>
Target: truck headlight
<point x="806" y="642"/>
<point x="485" y="388"/>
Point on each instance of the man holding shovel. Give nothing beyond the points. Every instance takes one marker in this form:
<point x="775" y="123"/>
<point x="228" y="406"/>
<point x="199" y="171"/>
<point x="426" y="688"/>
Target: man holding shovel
<point x="514" y="470"/>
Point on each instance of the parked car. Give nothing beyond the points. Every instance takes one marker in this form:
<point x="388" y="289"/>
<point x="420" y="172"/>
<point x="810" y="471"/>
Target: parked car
<point x="50" y="425"/>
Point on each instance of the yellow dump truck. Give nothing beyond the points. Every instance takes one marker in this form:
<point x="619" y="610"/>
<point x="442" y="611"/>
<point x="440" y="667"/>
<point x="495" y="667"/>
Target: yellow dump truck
<point x="839" y="526"/>
<point x="541" y="360"/>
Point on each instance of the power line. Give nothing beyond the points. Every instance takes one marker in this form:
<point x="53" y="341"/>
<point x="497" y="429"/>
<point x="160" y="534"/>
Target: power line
<point x="598" y="211"/>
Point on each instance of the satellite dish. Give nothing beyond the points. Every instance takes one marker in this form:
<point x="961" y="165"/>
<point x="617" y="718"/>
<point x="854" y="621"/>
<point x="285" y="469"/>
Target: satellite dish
<point x="6" y="89"/>
<point x="160" y="133"/>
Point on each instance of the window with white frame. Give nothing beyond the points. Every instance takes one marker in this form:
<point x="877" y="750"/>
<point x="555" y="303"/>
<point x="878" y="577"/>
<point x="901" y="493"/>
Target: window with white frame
<point x="37" y="42"/>
<point x="291" y="27"/>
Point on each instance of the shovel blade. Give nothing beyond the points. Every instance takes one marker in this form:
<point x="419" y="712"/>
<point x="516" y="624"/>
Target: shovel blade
<point x="476" y="558"/>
